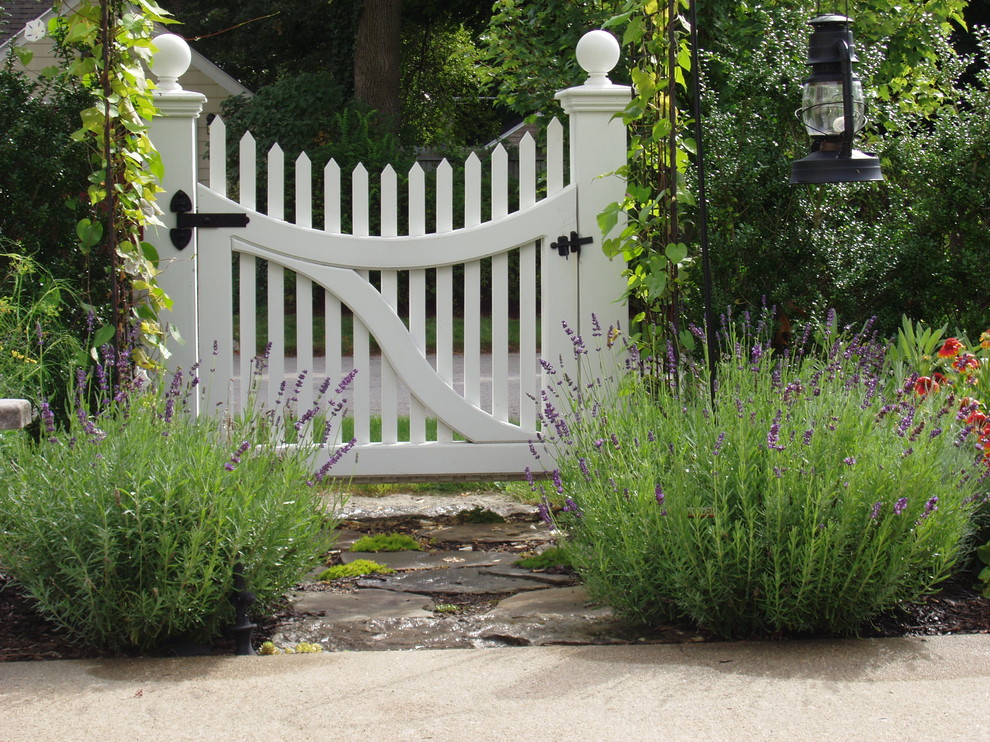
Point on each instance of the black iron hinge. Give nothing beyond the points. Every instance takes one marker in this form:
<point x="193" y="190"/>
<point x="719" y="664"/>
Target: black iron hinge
<point x="186" y="220"/>
<point x="567" y="245"/>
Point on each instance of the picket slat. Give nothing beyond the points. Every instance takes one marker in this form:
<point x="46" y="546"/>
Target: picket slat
<point x="472" y="286"/>
<point x="331" y="197"/>
<point x="304" y="191"/>
<point x="500" y="290"/>
<point x="390" y="293"/>
<point x="359" y="332"/>
<point x="276" y="282"/>
<point x="218" y="156"/>
<point x="445" y="288"/>
<point x="247" y="334"/>
<point x="417" y="294"/>
<point x="247" y="172"/>
<point x="555" y="157"/>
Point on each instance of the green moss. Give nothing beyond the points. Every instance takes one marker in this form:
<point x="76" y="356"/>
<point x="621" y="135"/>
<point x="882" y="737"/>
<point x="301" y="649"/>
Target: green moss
<point x="479" y="514"/>
<point x="552" y="557"/>
<point x="355" y="569"/>
<point x="386" y="542"/>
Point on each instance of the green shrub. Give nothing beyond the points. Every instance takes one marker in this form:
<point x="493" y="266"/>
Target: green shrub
<point x="386" y="542"/>
<point x="37" y="348"/>
<point x="809" y="498"/>
<point x="125" y="527"/>
<point x="357" y="568"/>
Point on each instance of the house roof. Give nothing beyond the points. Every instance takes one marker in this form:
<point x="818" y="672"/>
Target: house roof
<point x="18" y="13"/>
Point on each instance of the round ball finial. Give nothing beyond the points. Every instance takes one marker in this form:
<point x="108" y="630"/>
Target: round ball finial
<point x="171" y="60"/>
<point x="598" y="53"/>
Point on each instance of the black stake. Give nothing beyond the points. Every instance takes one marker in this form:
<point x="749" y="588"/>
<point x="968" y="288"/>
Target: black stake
<point x="242" y="600"/>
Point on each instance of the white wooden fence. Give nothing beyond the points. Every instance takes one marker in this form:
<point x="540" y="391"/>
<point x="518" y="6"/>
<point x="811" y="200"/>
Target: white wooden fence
<point x="480" y="431"/>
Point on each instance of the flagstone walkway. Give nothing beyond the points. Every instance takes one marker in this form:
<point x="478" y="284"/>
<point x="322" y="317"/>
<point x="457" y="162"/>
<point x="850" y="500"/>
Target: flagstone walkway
<point x="464" y="591"/>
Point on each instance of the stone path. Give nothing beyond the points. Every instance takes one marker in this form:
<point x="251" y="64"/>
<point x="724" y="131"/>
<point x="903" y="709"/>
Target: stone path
<point x="421" y="605"/>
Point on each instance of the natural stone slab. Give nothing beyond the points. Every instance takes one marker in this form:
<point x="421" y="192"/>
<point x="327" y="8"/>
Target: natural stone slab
<point x="468" y="581"/>
<point x="550" y="578"/>
<point x="14" y="414"/>
<point x="346" y="538"/>
<point x="402" y="560"/>
<point x="364" y="605"/>
<point x="489" y="533"/>
<point x="559" y="601"/>
<point x="360" y="507"/>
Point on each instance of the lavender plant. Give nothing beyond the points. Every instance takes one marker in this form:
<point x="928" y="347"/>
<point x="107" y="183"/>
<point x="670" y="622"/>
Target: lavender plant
<point x="808" y="497"/>
<point x="125" y="526"/>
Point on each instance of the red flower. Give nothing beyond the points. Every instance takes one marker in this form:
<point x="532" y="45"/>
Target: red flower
<point x="950" y="348"/>
<point x="925" y="384"/>
<point x="976" y="419"/>
<point x="966" y="362"/>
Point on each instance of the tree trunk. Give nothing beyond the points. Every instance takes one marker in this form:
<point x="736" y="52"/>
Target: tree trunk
<point x="376" y="59"/>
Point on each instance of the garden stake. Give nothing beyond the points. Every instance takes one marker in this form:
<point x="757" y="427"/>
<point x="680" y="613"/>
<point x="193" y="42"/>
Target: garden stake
<point x="242" y="600"/>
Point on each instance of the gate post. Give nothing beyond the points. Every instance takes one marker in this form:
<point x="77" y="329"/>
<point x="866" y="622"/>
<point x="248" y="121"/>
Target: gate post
<point x="173" y="134"/>
<point x="598" y="148"/>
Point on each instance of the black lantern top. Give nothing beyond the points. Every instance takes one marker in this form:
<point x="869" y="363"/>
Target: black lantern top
<point x="833" y="108"/>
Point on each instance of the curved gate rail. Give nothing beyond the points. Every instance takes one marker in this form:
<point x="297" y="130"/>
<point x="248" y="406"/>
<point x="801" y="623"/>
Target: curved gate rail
<point x="240" y="289"/>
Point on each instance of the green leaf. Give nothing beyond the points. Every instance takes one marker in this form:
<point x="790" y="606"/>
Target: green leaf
<point x="676" y="253"/>
<point x="103" y="336"/>
<point x="24" y="54"/>
<point x="89" y="233"/>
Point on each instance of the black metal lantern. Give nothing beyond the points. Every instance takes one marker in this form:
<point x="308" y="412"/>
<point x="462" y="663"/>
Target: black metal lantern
<point x="832" y="109"/>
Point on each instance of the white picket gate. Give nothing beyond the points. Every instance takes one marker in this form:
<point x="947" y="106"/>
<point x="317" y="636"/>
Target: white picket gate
<point x="479" y="431"/>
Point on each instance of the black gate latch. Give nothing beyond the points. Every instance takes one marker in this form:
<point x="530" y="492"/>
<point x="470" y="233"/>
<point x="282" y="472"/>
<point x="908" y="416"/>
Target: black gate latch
<point x="186" y="221"/>
<point x="567" y="245"/>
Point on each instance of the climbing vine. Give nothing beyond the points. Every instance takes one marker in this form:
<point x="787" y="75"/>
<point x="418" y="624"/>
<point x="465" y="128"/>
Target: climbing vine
<point x="107" y="45"/>
<point x="656" y="42"/>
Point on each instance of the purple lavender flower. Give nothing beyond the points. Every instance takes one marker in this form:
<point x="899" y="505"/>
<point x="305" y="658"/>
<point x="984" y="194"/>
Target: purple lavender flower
<point x="900" y="505"/>
<point x="544" y="510"/>
<point x="529" y="476"/>
<point x="532" y="450"/>
<point x="571" y="507"/>
<point x="345" y="382"/>
<point x="599" y="443"/>
<point x="659" y="495"/>
<point x="651" y="437"/>
<point x="583" y="465"/>
<point x="807" y="436"/>
<point x="321" y="473"/>
<point x="718" y="444"/>
<point x="849" y="461"/>
<point x="773" y="436"/>
<point x="930" y="507"/>
<point x="875" y="512"/>
<point x="557" y="482"/>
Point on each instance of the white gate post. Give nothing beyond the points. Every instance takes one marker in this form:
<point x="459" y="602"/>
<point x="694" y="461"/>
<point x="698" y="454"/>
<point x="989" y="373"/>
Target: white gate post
<point x="598" y="148"/>
<point x="173" y="133"/>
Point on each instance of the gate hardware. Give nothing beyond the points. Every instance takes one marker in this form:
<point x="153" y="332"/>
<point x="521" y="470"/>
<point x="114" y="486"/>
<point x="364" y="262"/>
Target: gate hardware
<point x="567" y="245"/>
<point x="186" y="220"/>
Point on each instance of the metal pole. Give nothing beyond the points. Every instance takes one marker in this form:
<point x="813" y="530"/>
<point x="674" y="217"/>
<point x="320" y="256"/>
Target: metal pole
<point x="706" y="268"/>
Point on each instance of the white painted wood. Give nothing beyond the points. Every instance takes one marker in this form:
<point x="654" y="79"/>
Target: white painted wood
<point x="218" y="156"/>
<point x="500" y="290"/>
<point x="340" y="265"/>
<point x="248" y="333"/>
<point x="529" y="352"/>
<point x="417" y="295"/>
<point x="403" y="353"/>
<point x="304" y="191"/>
<point x="445" y="288"/>
<point x="481" y="461"/>
<point x="555" y="157"/>
<point x="472" y="285"/>
<point x="361" y="388"/>
<point x="390" y="293"/>
<point x="276" y="183"/>
<point x="276" y="282"/>
<point x="528" y="317"/>
<point x="331" y="197"/>
<point x="247" y="172"/>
